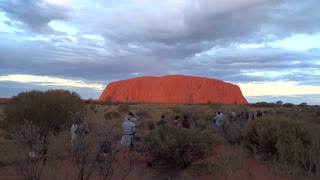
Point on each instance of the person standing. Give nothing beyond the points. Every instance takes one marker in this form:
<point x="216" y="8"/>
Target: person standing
<point x="186" y="123"/>
<point x="219" y="119"/>
<point x="175" y="122"/>
<point x="134" y="117"/>
<point x="81" y="141"/>
<point x="128" y="128"/>
<point x="73" y="129"/>
<point x="162" y="121"/>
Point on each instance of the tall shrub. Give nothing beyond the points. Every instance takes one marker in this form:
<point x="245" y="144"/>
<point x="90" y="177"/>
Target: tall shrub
<point x="48" y="111"/>
<point x="178" y="146"/>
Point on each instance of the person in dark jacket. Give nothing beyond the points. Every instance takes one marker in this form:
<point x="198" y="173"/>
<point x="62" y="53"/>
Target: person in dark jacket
<point x="185" y="122"/>
<point x="162" y="121"/>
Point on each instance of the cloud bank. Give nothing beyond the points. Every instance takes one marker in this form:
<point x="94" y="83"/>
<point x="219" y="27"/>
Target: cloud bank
<point x="239" y="41"/>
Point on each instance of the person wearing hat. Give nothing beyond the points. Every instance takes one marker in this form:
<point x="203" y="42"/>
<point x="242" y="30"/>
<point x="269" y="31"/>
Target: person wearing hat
<point x="134" y="117"/>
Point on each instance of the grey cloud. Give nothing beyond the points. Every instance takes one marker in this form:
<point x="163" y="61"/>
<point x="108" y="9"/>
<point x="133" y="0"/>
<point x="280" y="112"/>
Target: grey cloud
<point x="85" y="61"/>
<point x="69" y="61"/>
<point x="233" y="66"/>
<point x="205" y="24"/>
<point x="139" y="42"/>
<point x="34" y="14"/>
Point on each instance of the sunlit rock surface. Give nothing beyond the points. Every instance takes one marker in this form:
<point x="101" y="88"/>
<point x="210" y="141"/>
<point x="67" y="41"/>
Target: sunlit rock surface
<point x="173" y="89"/>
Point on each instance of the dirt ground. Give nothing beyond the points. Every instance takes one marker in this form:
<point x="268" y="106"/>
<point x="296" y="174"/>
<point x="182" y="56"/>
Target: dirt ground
<point x="250" y="169"/>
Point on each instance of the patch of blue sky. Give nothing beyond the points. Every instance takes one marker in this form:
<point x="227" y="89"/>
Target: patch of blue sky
<point x="63" y="27"/>
<point x="300" y="42"/>
<point x="51" y="81"/>
<point x="93" y="37"/>
<point x="3" y="26"/>
<point x="271" y="74"/>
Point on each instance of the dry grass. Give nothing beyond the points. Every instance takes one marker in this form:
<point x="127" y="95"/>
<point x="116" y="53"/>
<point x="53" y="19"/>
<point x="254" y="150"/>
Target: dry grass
<point x="9" y="154"/>
<point x="200" y="114"/>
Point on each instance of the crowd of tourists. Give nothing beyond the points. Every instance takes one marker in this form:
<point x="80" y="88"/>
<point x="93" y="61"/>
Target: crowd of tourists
<point x="80" y="128"/>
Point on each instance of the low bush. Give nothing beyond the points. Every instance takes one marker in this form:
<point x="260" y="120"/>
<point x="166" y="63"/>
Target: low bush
<point x="178" y="146"/>
<point x="298" y="147"/>
<point x="261" y="135"/>
<point x="233" y="131"/>
<point x="124" y="107"/>
<point x="214" y="105"/>
<point x="92" y="107"/>
<point x="144" y="125"/>
<point x="176" y="110"/>
<point x="230" y="162"/>
<point x="144" y="113"/>
<point x="294" y="143"/>
<point x="112" y="115"/>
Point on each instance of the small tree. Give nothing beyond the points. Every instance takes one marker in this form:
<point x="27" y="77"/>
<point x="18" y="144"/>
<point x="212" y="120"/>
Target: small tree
<point x="49" y="111"/>
<point x="279" y="103"/>
<point x="304" y="104"/>
<point x="288" y="105"/>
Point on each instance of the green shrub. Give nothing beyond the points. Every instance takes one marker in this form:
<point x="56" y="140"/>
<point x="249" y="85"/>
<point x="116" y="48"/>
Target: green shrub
<point x="178" y="146"/>
<point x="298" y="146"/>
<point x="294" y="143"/>
<point x="144" y="113"/>
<point x="214" y="105"/>
<point x="48" y="110"/>
<point x="33" y="117"/>
<point x="261" y="135"/>
<point x="263" y="104"/>
<point x="288" y="105"/>
<point x="208" y="117"/>
<point x="112" y="115"/>
<point x="311" y="157"/>
<point x="124" y="107"/>
<point x="145" y="125"/>
<point x="176" y="110"/>
<point x="233" y="132"/>
<point x="92" y="107"/>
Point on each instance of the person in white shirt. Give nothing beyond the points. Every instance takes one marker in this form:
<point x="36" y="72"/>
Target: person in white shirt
<point x="73" y="133"/>
<point x="128" y="128"/>
<point x="219" y="119"/>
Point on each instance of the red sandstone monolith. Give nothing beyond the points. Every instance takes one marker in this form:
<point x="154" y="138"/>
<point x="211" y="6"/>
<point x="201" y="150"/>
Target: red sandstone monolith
<point x="173" y="89"/>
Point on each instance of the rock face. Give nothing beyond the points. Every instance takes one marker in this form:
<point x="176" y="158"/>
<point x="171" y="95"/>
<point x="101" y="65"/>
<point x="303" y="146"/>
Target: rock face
<point x="173" y="89"/>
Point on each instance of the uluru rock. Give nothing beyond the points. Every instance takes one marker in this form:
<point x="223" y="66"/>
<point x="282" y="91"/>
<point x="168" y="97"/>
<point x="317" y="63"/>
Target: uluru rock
<point x="173" y="89"/>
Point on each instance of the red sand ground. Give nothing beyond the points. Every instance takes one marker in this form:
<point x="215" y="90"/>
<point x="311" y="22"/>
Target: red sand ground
<point x="251" y="169"/>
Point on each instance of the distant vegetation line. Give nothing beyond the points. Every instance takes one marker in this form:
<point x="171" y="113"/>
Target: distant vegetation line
<point x="256" y="104"/>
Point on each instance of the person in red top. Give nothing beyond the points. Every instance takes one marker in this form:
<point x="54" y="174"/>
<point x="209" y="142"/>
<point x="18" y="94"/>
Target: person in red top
<point x="175" y="122"/>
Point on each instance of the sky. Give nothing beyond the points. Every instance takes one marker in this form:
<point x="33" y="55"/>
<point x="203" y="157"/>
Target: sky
<point x="270" y="48"/>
